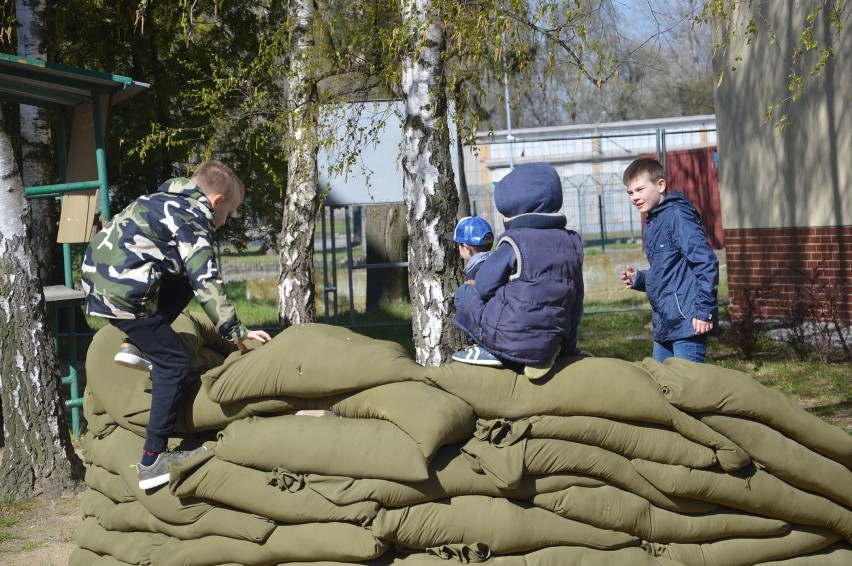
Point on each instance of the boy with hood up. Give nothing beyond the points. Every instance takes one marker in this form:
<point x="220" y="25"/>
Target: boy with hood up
<point x="529" y="291"/>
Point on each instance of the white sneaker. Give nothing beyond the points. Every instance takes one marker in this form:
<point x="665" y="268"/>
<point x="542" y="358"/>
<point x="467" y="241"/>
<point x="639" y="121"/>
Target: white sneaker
<point x="132" y="357"/>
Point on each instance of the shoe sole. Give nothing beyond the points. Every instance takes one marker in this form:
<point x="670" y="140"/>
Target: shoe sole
<point x="132" y="362"/>
<point x="535" y="373"/>
<point x="155" y="481"/>
<point x="486" y="363"/>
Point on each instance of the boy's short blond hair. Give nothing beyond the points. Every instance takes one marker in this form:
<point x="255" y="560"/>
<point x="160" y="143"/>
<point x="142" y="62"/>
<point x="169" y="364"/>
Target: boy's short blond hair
<point x="644" y="166"/>
<point x="214" y="177"/>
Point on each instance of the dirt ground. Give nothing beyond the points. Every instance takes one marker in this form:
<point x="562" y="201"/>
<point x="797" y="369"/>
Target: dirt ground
<point x="41" y="532"/>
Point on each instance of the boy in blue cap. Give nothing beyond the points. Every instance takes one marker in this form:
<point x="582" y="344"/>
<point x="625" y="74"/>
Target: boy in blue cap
<point x="684" y="275"/>
<point x="474" y="238"/>
<point x="528" y="298"/>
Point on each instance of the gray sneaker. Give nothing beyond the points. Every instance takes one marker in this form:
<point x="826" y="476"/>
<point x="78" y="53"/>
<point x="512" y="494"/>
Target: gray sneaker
<point x="158" y="472"/>
<point x="129" y="355"/>
<point x="477" y="356"/>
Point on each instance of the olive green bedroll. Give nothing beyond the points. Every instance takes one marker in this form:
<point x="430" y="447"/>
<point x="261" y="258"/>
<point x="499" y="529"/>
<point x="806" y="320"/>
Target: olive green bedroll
<point x="506" y="466"/>
<point x="631" y="440"/>
<point x="785" y="458"/>
<point x="751" y="490"/>
<point x="343" y="542"/>
<point x="598" y="387"/>
<point x="744" y="551"/>
<point x="132" y="548"/>
<point x="705" y="388"/>
<point x="363" y="448"/>
<point x="118" y="453"/>
<point x="503" y="526"/>
<point x="838" y="554"/>
<point x="109" y="484"/>
<point x="262" y="493"/>
<point x="620" y="510"/>
<point x="121" y="396"/>
<point x="83" y="557"/>
<point x="448" y="555"/>
<point x="450" y="475"/>
<point x="312" y="360"/>
<point x="134" y="517"/>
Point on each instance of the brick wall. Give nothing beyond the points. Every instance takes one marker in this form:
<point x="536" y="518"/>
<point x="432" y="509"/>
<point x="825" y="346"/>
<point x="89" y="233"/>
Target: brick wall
<point x="787" y="263"/>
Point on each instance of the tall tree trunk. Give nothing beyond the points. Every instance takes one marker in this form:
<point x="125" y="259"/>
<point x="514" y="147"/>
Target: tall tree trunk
<point x="38" y="454"/>
<point x="36" y="144"/>
<point x="301" y="203"/>
<point x="428" y="186"/>
<point x="387" y="242"/>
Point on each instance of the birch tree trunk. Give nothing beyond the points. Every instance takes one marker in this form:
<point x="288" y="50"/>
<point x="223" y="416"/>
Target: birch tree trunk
<point x="428" y="186"/>
<point x="38" y="454"/>
<point x="36" y="143"/>
<point x="301" y="203"/>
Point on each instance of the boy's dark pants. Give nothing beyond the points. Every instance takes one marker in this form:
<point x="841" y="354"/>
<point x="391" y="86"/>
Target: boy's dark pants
<point x="170" y="360"/>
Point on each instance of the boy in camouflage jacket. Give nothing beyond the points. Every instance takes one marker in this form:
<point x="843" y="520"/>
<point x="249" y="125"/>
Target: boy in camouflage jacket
<point x="143" y="269"/>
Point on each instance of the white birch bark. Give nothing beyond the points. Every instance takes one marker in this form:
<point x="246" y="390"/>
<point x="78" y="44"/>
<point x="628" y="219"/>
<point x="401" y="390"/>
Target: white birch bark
<point x="38" y="454"/>
<point x="296" y="242"/>
<point x="428" y="186"/>
<point x="36" y="140"/>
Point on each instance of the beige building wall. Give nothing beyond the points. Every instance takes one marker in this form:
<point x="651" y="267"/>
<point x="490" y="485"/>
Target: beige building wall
<point x="800" y="177"/>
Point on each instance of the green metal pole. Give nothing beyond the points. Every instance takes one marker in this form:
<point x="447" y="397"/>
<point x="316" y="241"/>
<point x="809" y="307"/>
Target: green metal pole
<point x="100" y="154"/>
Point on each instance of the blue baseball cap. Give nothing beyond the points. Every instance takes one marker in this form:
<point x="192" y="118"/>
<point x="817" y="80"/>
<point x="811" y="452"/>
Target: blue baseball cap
<point x="473" y="231"/>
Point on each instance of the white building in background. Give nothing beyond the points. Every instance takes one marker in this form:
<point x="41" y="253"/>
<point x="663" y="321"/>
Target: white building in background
<point x="589" y="157"/>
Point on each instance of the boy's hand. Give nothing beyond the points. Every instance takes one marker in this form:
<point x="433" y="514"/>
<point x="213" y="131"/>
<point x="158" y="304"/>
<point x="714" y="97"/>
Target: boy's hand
<point x="628" y="275"/>
<point x="260" y="335"/>
<point x="701" y="326"/>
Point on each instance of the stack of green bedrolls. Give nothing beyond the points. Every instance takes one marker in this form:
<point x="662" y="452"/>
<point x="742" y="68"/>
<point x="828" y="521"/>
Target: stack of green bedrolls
<point x="603" y="462"/>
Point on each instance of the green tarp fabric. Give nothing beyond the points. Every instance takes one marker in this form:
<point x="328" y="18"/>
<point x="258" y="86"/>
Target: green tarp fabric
<point x="603" y="462"/>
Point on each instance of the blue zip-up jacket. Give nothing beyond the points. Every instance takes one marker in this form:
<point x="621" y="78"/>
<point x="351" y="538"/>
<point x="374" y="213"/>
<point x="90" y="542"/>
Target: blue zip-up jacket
<point x="683" y="277"/>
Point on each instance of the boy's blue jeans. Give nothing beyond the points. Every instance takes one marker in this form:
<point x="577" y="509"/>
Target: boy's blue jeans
<point x="693" y="349"/>
<point x="169" y="359"/>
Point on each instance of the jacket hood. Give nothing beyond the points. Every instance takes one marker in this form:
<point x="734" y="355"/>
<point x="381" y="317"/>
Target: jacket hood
<point x="184" y="187"/>
<point x="529" y="188"/>
<point x="674" y="199"/>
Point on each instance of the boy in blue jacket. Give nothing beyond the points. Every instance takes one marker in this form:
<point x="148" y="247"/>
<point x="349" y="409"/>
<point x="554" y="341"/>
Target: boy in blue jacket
<point x="529" y="291"/>
<point x="683" y="277"/>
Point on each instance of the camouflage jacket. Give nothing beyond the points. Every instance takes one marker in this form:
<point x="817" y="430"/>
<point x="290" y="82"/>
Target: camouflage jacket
<point x="167" y="232"/>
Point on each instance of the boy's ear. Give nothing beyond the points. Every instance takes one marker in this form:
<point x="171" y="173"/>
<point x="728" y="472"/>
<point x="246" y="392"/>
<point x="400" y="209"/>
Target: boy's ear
<point x="215" y="199"/>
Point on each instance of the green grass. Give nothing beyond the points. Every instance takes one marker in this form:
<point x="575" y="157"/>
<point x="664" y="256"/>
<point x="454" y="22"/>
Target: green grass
<point x="9" y="513"/>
